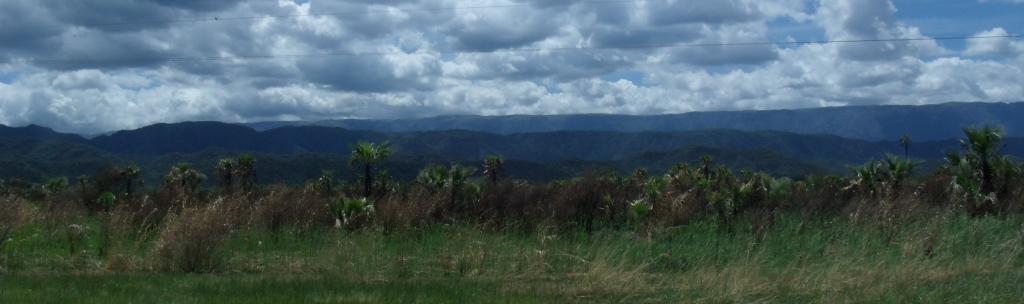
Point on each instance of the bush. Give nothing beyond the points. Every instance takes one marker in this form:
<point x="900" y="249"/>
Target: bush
<point x="297" y="208"/>
<point x="353" y="212"/>
<point x="12" y="216"/>
<point x="190" y="241"/>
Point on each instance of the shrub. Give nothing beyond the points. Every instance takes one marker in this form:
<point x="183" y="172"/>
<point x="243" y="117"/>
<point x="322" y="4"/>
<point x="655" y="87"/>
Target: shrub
<point x="107" y="200"/>
<point x="353" y="212"/>
<point x="639" y="209"/>
<point x="12" y="216"/>
<point x="297" y="208"/>
<point x="190" y="241"/>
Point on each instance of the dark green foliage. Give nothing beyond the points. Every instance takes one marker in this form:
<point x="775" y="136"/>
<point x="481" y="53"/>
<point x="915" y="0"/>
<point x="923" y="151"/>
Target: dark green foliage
<point x="107" y="200"/>
<point x="983" y="178"/>
<point x="226" y="171"/>
<point x="883" y="178"/>
<point x="295" y="155"/>
<point x="367" y="157"/>
<point x="182" y="182"/>
<point x="494" y="168"/>
<point x="353" y="213"/>
<point x="325" y="184"/>
<point x="237" y="173"/>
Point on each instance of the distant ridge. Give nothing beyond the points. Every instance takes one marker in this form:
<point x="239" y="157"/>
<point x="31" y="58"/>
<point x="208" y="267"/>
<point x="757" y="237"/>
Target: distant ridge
<point x="35" y="132"/>
<point x="874" y="123"/>
<point x="296" y="154"/>
<point x="830" y="151"/>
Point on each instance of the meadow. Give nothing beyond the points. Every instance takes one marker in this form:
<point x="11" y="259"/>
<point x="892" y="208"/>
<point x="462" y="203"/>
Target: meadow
<point x="697" y="233"/>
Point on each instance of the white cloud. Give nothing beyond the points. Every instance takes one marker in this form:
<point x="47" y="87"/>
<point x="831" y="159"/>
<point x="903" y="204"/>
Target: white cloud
<point x="419" y="59"/>
<point x="994" y="46"/>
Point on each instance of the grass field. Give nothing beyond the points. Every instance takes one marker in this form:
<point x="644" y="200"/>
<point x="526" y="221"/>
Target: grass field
<point x="933" y="259"/>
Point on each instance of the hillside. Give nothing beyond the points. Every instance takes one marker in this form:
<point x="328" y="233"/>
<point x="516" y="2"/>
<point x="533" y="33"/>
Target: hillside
<point x="541" y="147"/>
<point x="296" y="154"/>
<point x="924" y="123"/>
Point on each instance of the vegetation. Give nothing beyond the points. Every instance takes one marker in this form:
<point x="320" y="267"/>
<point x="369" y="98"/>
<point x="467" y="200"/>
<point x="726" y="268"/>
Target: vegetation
<point x="369" y="156"/>
<point x="699" y="232"/>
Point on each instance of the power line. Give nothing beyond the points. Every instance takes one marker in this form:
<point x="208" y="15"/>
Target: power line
<point x="519" y="50"/>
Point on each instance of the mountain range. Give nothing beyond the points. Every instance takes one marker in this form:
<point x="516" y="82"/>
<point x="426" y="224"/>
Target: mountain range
<point x="295" y="153"/>
<point x="886" y="122"/>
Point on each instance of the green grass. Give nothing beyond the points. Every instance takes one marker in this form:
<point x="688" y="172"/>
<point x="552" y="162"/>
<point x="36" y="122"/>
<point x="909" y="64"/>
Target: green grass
<point x="932" y="259"/>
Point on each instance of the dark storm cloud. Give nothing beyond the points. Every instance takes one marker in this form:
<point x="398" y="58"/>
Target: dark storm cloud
<point x="368" y="74"/>
<point x="485" y="33"/>
<point x="715" y="12"/>
<point x="25" y="26"/>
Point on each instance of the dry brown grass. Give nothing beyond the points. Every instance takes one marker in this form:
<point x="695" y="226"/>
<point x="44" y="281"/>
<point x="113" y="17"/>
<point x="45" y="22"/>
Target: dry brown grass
<point x="14" y="213"/>
<point x="288" y="207"/>
<point x="190" y="240"/>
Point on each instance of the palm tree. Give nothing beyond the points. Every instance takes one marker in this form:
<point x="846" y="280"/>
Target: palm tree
<point x="183" y="178"/>
<point x="325" y="184"/>
<point x="245" y="169"/>
<point x="494" y="165"/>
<point x="982" y="145"/>
<point x="226" y="170"/>
<point x="369" y="155"/>
<point x="130" y="175"/>
<point x="457" y="176"/>
<point x="897" y="171"/>
<point x="905" y="143"/>
<point x="433" y="177"/>
<point x="706" y="169"/>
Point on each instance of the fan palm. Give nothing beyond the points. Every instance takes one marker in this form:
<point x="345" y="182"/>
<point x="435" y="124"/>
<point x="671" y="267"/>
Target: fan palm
<point x="982" y="145"/>
<point x="897" y="171"/>
<point x="245" y="170"/>
<point x="183" y="178"/>
<point x="457" y="177"/>
<point x="226" y="170"/>
<point x="367" y="156"/>
<point x="494" y="165"/>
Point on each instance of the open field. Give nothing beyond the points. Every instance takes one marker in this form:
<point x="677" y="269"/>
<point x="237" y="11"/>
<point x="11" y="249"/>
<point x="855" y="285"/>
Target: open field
<point x="933" y="259"/>
<point x="699" y="233"/>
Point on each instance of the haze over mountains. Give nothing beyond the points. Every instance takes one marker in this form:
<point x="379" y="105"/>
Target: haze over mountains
<point x="928" y="122"/>
<point x="568" y="146"/>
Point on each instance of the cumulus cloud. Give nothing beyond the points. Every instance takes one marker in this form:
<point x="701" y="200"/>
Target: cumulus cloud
<point x="994" y="46"/>
<point x="869" y="20"/>
<point x="89" y="67"/>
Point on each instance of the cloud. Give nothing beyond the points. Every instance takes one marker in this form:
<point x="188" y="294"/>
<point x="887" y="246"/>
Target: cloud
<point x="322" y="59"/>
<point x="715" y="12"/>
<point x="489" y="30"/>
<point x="868" y="20"/>
<point x="387" y="73"/>
<point x="994" y="46"/>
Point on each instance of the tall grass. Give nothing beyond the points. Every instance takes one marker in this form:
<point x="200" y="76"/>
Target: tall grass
<point x="695" y="233"/>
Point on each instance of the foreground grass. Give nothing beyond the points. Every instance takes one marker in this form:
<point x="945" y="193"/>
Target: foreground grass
<point x="933" y="259"/>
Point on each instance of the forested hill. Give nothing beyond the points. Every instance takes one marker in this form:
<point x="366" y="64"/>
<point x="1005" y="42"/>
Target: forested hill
<point x="925" y="123"/>
<point x="294" y="154"/>
<point x="195" y="137"/>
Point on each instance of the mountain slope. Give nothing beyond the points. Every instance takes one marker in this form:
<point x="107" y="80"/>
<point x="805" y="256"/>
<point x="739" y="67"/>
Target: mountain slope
<point x="294" y="154"/>
<point x="36" y="132"/>
<point x="923" y="123"/>
<point x="463" y="145"/>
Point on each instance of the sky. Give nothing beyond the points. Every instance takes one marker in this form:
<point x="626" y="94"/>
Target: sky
<point x="93" y="66"/>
